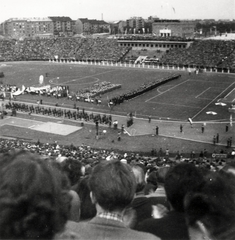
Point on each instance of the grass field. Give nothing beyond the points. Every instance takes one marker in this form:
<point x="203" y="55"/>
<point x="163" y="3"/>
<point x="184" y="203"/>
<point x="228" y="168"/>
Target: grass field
<point x="189" y="96"/>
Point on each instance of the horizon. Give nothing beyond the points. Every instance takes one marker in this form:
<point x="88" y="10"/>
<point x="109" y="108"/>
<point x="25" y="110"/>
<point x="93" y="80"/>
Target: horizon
<point x="110" y="11"/>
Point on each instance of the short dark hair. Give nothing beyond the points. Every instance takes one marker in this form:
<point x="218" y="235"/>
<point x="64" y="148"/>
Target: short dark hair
<point x="33" y="202"/>
<point x="73" y="170"/>
<point x="179" y="180"/>
<point x="113" y="185"/>
<point x="213" y="204"/>
<point x="88" y="209"/>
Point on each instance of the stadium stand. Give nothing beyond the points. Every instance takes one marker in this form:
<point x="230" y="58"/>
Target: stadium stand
<point x="62" y="48"/>
<point x="201" y="53"/>
<point x="204" y="53"/>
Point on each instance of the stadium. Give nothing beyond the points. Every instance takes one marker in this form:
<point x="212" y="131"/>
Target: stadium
<point x="116" y="136"/>
<point x="192" y="87"/>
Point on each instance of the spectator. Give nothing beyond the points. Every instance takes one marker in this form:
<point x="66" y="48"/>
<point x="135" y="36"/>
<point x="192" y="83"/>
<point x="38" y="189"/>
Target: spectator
<point x="88" y="210"/>
<point x="34" y="199"/>
<point x="180" y="180"/>
<point x="210" y="211"/>
<point x="73" y="169"/>
<point x="151" y="185"/>
<point x="140" y="204"/>
<point x="112" y="185"/>
<point x="161" y="174"/>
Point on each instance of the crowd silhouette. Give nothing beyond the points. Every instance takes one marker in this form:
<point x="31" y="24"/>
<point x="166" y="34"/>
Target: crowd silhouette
<point x="218" y="54"/>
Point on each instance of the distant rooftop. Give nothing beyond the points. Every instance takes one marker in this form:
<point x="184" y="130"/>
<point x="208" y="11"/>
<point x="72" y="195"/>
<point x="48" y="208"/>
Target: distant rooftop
<point x="63" y="19"/>
<point x="166" y="20"/>
<point x="92" y="21"/>
<point x="36" y="19"/>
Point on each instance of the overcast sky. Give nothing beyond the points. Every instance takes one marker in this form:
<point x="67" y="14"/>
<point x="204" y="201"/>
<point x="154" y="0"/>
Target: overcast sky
<point x="118" y="9"/>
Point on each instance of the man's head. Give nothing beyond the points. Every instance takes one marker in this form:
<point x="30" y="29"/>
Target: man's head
<point x="180" y="180"/>
<point x="113" y="185"/>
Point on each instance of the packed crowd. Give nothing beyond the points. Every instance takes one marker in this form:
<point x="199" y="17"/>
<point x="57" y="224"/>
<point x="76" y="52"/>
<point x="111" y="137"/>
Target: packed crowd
<point x="50" y="191"/>
<point x="201" y="53"/>
<point x="205" y="53"/>
<point x="153" y="37"/>
<point x="98" y="49"/>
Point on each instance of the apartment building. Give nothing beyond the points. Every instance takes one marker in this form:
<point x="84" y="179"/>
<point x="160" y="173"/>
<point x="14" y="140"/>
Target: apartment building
<point x="62" y="26"/>
<point x="91" y="26"/>
<point x="27" y="27"/>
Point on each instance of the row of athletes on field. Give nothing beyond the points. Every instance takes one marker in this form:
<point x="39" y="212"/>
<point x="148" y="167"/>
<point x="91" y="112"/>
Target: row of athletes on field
<point x="75" y="114"/>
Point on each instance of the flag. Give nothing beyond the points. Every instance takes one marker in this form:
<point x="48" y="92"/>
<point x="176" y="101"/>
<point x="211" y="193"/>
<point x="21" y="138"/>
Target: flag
<point x="231" y="120"/>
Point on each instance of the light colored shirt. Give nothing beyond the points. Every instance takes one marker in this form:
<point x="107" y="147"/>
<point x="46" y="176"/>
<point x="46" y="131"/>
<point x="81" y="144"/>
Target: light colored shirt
<point x="112" y="216"/>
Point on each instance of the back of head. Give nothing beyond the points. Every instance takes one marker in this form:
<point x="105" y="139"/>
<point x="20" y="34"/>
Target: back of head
<point x="211" y="209"/>
<point x="88" y="209"/>
<point x="33" y="202"/>
<point x="180" y="180"/>
<point x="139" y="177"/>
<point x="73" y="169"/>
<point x="113" y="185"/>
<point x="161" y="174"/>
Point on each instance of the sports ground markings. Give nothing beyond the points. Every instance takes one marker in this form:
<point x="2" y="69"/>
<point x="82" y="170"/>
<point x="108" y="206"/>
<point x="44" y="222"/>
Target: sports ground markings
<point x="48" y="127"/>
<point x="212" y="100"/>
<point x="159" y="88"/>
<point x="19" y="122"/>
<point x="166" y="90"/>
<point x="76" y="81"/>
<point x="230" y="93"/>
<point x="85" y="77"/>
<point x="202" y="92"/>
<point x="177" y="105"/>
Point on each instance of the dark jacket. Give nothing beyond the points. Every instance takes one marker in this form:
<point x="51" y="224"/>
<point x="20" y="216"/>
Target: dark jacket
<point x="170" y="227"/>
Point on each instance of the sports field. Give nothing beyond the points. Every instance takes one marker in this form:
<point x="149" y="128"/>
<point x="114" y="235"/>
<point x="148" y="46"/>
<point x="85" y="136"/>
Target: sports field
<point x="191" y="96"/>
<point x="169" y="105"/>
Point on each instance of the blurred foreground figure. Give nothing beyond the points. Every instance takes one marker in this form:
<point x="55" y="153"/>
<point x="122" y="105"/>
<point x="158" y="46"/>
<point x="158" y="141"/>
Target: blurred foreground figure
<point x="112" y="185"/>
<point x="210" y="211"/>
<point x="168" y="225"/>
<point x="34" y="198"/>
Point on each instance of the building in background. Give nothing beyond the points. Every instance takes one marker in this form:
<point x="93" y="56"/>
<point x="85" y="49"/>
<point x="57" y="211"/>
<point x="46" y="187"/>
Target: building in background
<point x="20" y="28"/>
<point x="62" y="26"/>
<point x="118" y="27"/>
<point x="168" y="28"/>
<point x="135" y="25"/>
<point x="91" y="26"/>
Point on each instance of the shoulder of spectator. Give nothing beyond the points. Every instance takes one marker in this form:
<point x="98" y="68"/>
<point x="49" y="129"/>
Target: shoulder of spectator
<point x="67" y="235"/>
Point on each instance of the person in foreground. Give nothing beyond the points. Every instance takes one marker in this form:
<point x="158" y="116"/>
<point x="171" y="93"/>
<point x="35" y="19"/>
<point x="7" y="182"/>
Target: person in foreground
<point x="112" y="184"/>
<point x="34" y="197"/>
<point x="180" y="180"/>
<point x="210" y="212"/>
